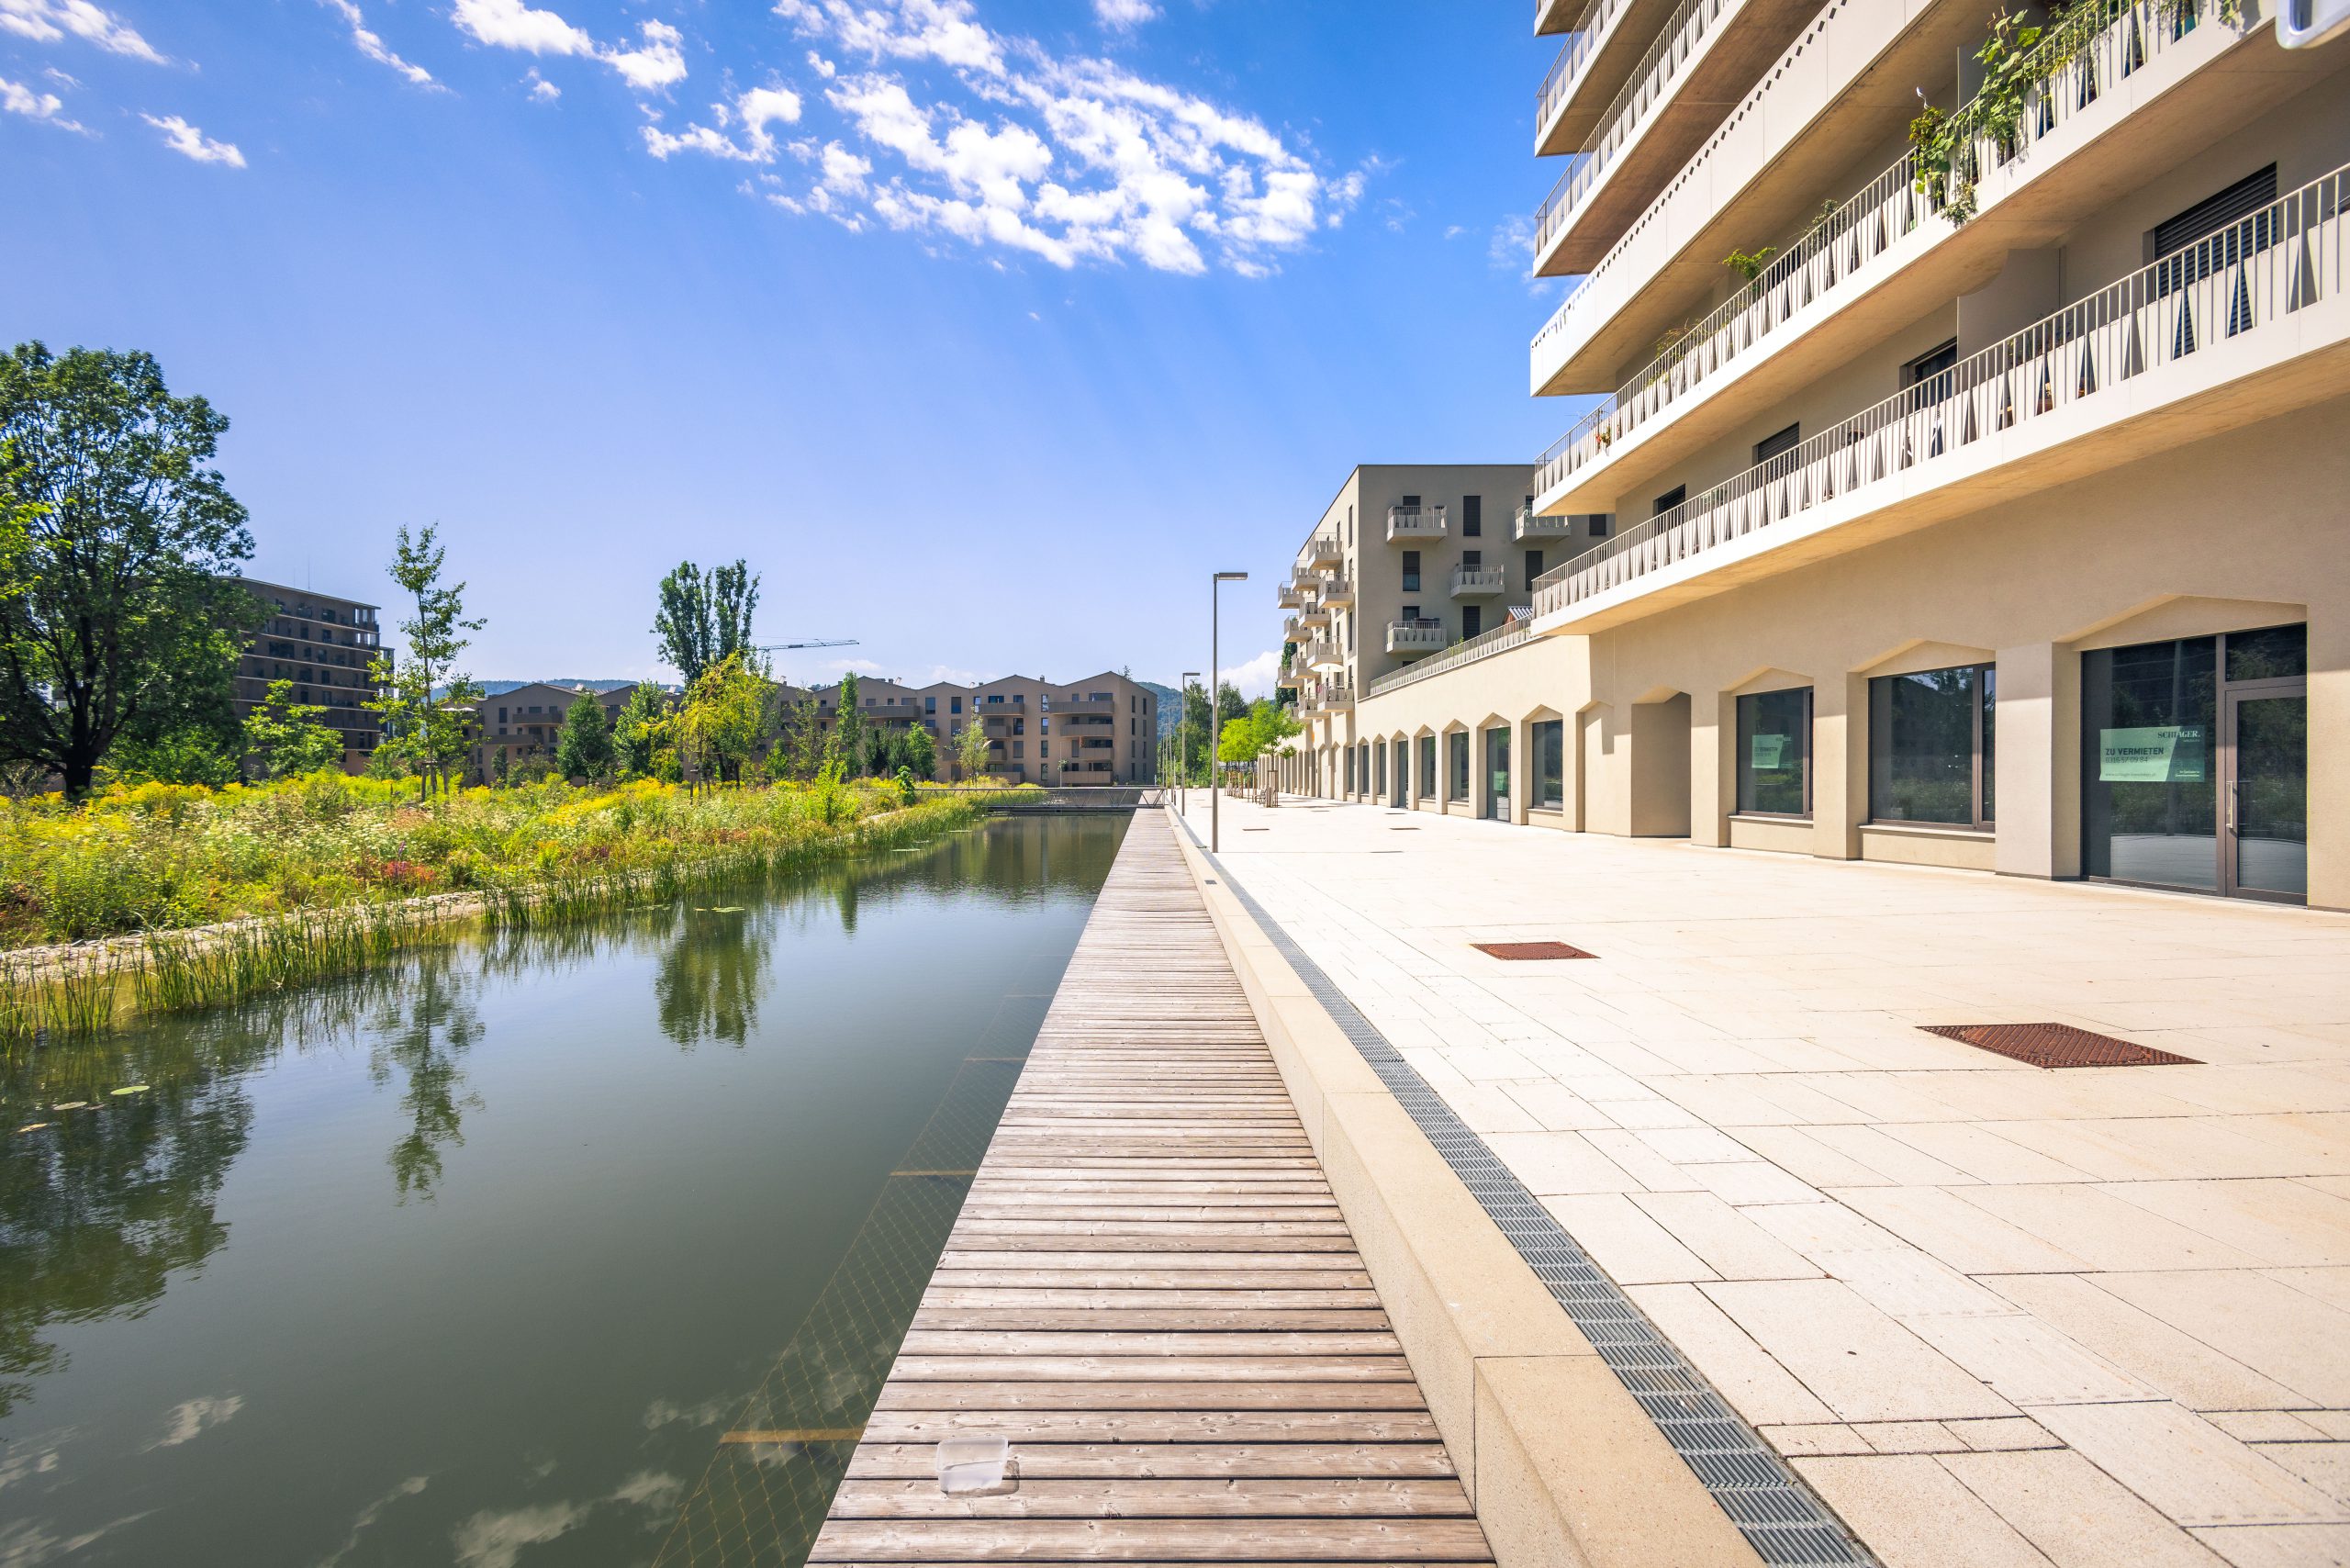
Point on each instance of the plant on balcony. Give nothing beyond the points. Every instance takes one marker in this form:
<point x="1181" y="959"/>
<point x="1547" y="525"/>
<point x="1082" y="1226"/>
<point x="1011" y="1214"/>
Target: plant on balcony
<point x="1749" y="264"/>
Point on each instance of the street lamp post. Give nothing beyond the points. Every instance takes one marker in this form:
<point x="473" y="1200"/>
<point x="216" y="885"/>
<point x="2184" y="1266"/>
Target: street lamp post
<point x="1215" y="716"/>
<point x="1183" y="750"/>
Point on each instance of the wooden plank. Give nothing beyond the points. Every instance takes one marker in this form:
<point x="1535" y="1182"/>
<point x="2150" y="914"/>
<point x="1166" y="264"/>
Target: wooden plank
<point x="1170" y="1461"/>
<point x="1150" y="1540"/>
<point x="1125" y="1496"/>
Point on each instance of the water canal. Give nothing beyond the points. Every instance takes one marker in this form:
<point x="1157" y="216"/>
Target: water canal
<point x="558" y="1249"/>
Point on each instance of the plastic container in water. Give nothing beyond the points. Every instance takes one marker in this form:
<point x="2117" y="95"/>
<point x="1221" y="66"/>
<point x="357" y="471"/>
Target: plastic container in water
<point x="967" y="1465"/>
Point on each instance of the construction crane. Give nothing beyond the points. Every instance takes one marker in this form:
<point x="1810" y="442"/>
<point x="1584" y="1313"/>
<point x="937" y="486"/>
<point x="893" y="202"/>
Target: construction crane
<point x="805" y="643"/>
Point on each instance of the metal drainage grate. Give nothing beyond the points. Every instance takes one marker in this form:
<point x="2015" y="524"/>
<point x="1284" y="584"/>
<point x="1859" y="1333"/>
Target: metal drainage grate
<point x="2056" y="1045"/>
<point x="1531" y="950"/>
<point x="1780" y="1516"/>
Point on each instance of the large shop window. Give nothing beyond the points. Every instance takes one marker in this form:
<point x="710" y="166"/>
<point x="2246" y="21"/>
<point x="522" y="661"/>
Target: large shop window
<point x="2195" y="764"/>
<point x="1931" y="740"/>
<point x="1457" y="743"/>
<point x="1551" y="764"/>
<point x="1428" y="767"/>
<point x="1774" y="754"/>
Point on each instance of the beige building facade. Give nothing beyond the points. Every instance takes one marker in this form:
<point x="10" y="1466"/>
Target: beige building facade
<point x="1994" y="520"/>
<point x="1103" y="730"/>
<point x="326" y="645"/>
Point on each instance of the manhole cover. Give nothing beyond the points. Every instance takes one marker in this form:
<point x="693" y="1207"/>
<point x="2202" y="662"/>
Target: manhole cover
<point x="1530" y="950"/>
<point x="2056" y="1045"/>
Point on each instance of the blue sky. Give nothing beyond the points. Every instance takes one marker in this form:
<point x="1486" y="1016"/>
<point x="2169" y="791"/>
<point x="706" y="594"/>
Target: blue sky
<point x="983" y="329"/>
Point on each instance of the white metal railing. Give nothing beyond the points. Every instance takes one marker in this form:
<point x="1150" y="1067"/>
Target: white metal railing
<point x="1501" y="639"/>
<point x="1651" y="83"/>
<point x="1337" y="694"/>
<point x="1841" y="245"/>
<point x="1415" y="522"/>
<point x="2243" y="279"/>
<point x="1323" y="547"/>
<point x="1479" y="579"/>
<point x="1574" y="55"/>
<point x="1532" y="524"/>
<point x="1423" y="634"/>
<point x="1334" y="586"/>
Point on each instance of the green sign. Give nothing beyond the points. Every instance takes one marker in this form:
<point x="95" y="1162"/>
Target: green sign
<point x="2163" y="753"/>
<point x="1769" y="752"/>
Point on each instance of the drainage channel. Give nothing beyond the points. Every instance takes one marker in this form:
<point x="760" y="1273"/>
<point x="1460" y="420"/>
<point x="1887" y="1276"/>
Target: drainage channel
<point x="1779" y="1515"/>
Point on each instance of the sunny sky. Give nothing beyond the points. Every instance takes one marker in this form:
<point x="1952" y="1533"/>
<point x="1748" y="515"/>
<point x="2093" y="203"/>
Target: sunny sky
<point x="984" y="328"/>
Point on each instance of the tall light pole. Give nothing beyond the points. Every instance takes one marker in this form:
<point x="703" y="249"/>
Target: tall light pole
<point x="1183" y="750"/>
<point x="1215" y="715"/>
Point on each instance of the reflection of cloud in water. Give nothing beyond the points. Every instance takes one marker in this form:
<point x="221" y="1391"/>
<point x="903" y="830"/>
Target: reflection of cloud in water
<point x="708" y="1413"/>
<point x="188" y="1420"/>
<point x="32" y="1456"/>
<point x="26" y="1543"/>
<point x="368" y="1516"/>
<point x="650" y="1489"/>
<point x="491" y="1539"/>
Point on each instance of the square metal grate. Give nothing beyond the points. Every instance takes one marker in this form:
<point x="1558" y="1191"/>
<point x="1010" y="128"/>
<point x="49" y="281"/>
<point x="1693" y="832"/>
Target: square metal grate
<point x="1531" y="950"/>
<point x="2056" y="1045"/>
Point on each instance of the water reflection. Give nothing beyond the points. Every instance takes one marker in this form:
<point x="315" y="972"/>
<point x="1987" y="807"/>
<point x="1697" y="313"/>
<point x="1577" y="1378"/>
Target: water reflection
<point x="715" y="975"/>
<point x="422" y="1037"/>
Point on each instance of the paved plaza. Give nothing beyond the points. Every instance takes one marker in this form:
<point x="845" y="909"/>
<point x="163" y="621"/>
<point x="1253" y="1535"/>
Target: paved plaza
<point x="1996" y="1315"/>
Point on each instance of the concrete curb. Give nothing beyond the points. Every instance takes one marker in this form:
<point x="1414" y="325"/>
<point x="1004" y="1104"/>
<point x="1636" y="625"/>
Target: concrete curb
<point x="1562" y="1466"/>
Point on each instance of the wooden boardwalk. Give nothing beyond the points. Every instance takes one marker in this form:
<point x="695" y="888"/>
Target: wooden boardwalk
<point x="1151" y="1294"/>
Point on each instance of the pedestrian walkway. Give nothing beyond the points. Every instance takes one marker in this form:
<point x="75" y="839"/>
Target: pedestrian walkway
<point x="1994" y="1314"/>
<point x="1152" y="1294"/>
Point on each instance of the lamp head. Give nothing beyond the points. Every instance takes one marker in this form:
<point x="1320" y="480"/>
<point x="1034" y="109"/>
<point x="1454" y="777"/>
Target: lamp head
<point x="1232" y="577"/>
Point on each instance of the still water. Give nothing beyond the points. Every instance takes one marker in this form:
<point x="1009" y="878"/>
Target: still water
<point x="477" y="1260"/>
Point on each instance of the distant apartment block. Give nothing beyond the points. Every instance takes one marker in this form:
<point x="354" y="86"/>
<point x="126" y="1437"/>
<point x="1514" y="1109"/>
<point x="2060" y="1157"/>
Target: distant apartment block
<point x="1986" y="513"/>
<point x="324" y="645"/>
<point x="1099" y="731"/>
<point x="518" y="726"/>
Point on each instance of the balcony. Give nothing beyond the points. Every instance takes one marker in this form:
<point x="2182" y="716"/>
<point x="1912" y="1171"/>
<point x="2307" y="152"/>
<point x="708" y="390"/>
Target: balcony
<point x="1468" y="651"/>
<point x="1531" y="527"/>
<point x="1314" y="612"/>
<point x="1707" y="54"/>
<point x="1290" y="596"/>
<point x="1478" y="582"/>
<point x="1890" y="254"/>
<point x="1323" y="550"/>
<point x="2247" y="323"/>
<point x="1321" y="656"/>
<point x="1335" y="588"/>
<point x="1331" y="696"/>
<point x="1293" y="630"/>
<point x="1412" y="639"/>
<point x="1603" y="45"/>
<point x="1414" y="525"/>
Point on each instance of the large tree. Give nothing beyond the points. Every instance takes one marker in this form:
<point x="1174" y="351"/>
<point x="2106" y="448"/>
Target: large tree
<point x="705" y="616"/>
<point x="636" y="732"/>
<point x="425" y="703"/>
<point x="584" y="749"/>
<point x="723" y="716"/>
<point x="286" y="738"/>
<point x="122" y="614"/>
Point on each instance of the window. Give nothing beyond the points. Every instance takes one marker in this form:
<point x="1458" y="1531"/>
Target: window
<point x="1599" y="524"/>
<point x="953" y="705"/>
<point x="1550" y="764"/>
<point x="1671" y="498"/>
<point x="1411" y="503"/>
<point x="1774" y="754"/>
<point x="1348" y="766"/>
<point x="1473" y="516"/>
<point x="1472" y="620"/>
<point x="1931" y="740"/>
<point x="1533" y="566"/>
<point x="1777" y="445"/>
<point x="1472" y="559"/>
<point x="930" y="704"/>
<point x="1411" y="571"/>
<point x="1428" y="767"/>
<point x="2212" y="214"/>
<point x="1411" y="612"/>
<point x="1457" y="781"/>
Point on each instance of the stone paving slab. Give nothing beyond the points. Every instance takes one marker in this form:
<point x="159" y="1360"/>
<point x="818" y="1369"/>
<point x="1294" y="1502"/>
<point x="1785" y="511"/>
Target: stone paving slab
<point x="1993" y="1314"/>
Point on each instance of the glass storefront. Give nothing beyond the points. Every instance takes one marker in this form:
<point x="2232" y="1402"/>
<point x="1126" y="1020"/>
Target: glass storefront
<point x="1551" y="764"/>
<point x="1497" y="773"/>
<point x="2195" y="762"/>
<point x="1456" y="743"/>
<point x="1931" y="743"/>
<point x="1774" y="753"/>
<point x="1428" y="767"/>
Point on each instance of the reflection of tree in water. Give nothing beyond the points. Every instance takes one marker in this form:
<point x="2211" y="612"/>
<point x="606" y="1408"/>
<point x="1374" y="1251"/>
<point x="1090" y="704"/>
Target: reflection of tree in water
<point x="424" y="1033"/>
<point x="713" y="977"/>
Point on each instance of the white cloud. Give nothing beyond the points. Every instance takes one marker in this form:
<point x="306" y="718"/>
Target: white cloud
<point x="372" y="46"/>
<point x="186" y="1422"/>
<point x="541" y="90"/>
<point x="1255" y="678"/>
<point x="1070" y="159"/>
<point x="511" y="24"/>
<point x="1125" y="14"/>
<point x="47" y="21"/>
<point x="659" y="62"/>
<point x="741" y="133"/>
<point x="189" y="142"/>
<point x="46" y="108"/>
<point x="497" y="1539"/>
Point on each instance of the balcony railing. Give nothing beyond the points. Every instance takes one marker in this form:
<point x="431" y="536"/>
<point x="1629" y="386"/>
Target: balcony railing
<point x="1422" y="635"/>
<point x="1817" y="264"/>
<point x="1333" y="697"/>
<point x="1324" y="550"/>
<point x="1651" y="83"/>
<point x="1413" y="523"/>
<point x="1321" y="653"/>
<point x="1478" y="582"/>
<point x="1290" y="596"/>
<point x="1574" y="55"/>
<point x="1530" y="524"/>
<point x="1293" y="630"/>
<point x="1335" y="587"/>
<point x="2247" y="279"/>
<point x="1314" y="612"/>
<point x="1469" y="650"/>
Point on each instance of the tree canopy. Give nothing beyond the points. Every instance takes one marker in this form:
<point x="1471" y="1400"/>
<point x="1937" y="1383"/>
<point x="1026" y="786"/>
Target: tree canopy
<point x="704" y="618"/>
<point x="286" y="738"/>
<point x="425" y="703"/>
<point x="120" y="615"/>
<point x="583" y="748"/>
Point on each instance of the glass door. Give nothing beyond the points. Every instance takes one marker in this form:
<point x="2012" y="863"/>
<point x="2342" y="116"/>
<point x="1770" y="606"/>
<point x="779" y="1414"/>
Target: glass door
<point x="2266" y="844"/>
<point x="1497" y="774"/>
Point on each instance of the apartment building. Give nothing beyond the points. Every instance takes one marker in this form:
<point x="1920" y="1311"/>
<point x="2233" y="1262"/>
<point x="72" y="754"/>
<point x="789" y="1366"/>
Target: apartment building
<point x="522" y="725"/>
<point x="1982" y="509"/>
<point x="326" y="646"/>
<point x="1103" y="730"/>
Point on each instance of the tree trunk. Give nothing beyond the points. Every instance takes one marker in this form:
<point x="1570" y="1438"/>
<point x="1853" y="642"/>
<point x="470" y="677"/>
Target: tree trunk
<point x="78" y="773"/>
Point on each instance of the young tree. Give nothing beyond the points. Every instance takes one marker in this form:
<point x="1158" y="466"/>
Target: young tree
<point x="718" y="723"/>
<point x="971" y="747"/>
<point x="583" y="749"/>
<point x="122" y="615"/>
<point x="425" y="704"/>
<point x="636" y="732"/>
<point x="285" y="737"/>
<point x="848" y="727"/>
<point x="704" y="618"/>
<point x="802" y="746"/>
<point x="921" y="754"/>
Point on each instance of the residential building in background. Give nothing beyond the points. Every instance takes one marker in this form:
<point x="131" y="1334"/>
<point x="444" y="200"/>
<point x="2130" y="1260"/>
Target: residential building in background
<point x="325" y="645"/>
<point x="521" y="725"/>
<point x="1099" y="731"/>
<point x="1983" y="511"/>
